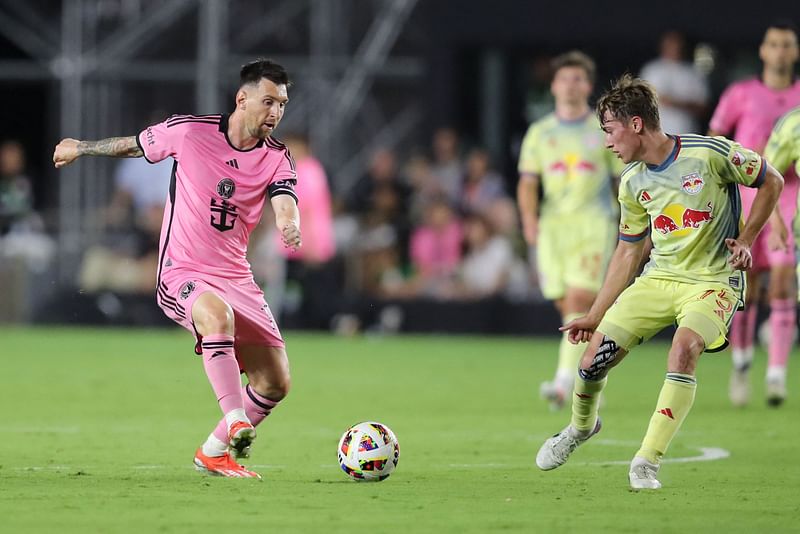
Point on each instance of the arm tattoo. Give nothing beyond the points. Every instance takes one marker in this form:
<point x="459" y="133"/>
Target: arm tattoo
<point x="121" y="147"/>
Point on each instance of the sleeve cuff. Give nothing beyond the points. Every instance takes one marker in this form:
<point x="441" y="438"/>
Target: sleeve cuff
<point x="632" y="238"/>
<point x="139" y="143"/>
<point x="762" y="172"/>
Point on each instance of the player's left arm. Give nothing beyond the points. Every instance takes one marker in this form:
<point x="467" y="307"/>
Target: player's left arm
<point x="68" y="149"/>
<point x="764" y="208"/>
<point x="287" y="220"/>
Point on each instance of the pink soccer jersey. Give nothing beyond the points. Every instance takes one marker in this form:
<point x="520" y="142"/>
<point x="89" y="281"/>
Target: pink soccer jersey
<point x="748" y="110"/>
<point x="217" y="192"/>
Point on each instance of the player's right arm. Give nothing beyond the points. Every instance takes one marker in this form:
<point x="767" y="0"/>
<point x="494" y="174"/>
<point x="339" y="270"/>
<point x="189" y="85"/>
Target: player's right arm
<point x="530" y="171"/>
<point x="528" y="203"/>
<point x="68" y="150"/>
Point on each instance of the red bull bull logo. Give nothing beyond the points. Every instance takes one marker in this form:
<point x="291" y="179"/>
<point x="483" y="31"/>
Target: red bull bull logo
<point x="664" y="224"/>
<point x="681" y="220"/>
<point x="572" y="165"/>
<point x="692" y="183"/>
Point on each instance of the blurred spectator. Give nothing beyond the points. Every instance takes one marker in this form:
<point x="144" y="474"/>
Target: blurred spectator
<point x="381" y="174"/>
<point x="16" y="196"/>
<point x="127" y="262"/>
<point x="22" y="232"/>
<point x="435" y="252"/>
<point x="682" y="89"/>
<point x="482" y="185"/>
<point x="310" y="267"/>
<point x="418" y="174"/>
<point x="448" y="169"/>
<point x="380" y="201"/>
<point x="488" y="261"/>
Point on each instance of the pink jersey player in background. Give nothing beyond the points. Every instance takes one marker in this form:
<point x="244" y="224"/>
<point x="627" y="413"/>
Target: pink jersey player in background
<point x="225" y="167"/>
<point x="747" y="111"/>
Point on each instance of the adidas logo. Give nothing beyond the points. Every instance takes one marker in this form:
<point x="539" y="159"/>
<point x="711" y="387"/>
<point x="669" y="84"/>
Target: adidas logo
<point x="667" y="412"/>
<point x="233" y="163"/>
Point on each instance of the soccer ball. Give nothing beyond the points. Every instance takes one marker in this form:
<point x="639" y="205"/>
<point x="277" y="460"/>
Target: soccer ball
<point x="368" y="451"/>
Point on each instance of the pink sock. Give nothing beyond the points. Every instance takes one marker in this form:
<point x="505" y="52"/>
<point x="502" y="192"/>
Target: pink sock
<point x="743" y="329"/>
<point x="222" y="370"/>
<point x="782" y="327"/>
<point x="256" y="407"/>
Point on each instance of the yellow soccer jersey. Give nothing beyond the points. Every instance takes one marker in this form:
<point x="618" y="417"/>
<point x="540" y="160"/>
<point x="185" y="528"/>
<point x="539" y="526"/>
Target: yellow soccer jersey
<point x="783" y="147"/>
<point x="573" y="164"/>
<point x="690" y="204"/>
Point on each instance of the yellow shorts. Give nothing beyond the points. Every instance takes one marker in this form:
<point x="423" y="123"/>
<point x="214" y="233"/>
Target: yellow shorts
<point x="574" y="252"/>
<point x="650" y="305"/>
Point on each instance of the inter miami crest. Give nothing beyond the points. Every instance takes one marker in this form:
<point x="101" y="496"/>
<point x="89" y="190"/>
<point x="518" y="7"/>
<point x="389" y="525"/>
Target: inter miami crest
<point x="186" y="290"/>
<point x="226" y="188"/>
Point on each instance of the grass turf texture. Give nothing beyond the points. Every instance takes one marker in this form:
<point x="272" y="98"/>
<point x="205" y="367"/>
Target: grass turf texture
<point x="99" y="427"/>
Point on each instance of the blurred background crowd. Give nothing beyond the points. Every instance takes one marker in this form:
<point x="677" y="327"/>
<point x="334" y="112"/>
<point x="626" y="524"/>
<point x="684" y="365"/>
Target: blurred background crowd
<point x="405" y="124"/>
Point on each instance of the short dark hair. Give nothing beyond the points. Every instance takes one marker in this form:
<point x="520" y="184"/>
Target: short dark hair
<point x="631" y="97"/>
<point x="263" y="68"/>
<point x="782" y="24"/>
<point x="575" y="58"/>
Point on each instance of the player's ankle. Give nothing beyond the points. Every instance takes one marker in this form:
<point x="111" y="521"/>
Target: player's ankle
<point x="236" y="415"/>
<point x="213" y="447"/>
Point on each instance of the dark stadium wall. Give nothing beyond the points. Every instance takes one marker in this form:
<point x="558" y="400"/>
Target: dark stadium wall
<point x="621" y="36"/>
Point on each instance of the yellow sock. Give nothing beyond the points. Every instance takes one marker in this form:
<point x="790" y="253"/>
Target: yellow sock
<point x="674" y="403"/>
<point x="569" y="358"/>
<point x="585" y="401"/>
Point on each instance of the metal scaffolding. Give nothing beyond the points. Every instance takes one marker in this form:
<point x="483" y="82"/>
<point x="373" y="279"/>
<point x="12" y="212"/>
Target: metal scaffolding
<point x="97" y="50"/>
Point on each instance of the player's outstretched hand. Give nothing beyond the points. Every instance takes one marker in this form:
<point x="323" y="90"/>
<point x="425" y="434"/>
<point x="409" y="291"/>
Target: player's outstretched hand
<point x="290" y="235"/>
<point x="580" y="329"/>
<point x="740" y="259"/>
<point x="66" y="152"/>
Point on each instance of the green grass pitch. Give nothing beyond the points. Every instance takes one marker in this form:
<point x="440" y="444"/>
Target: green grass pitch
<point x="99" y="427"/>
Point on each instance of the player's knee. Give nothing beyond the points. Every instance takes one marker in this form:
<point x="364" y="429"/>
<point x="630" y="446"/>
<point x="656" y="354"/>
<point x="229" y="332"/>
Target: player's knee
<point x="601" y="362"/>
<point x="213" y="318"/>
<point x="274" y="388"/>
<point x="684" y="354"/>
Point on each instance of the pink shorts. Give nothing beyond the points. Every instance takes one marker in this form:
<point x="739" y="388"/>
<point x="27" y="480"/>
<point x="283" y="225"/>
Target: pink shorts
<point x="763" y="258"/>
<point x="254" y="323"/>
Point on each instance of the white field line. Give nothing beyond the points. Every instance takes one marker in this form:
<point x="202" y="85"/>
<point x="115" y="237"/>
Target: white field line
<point x="707" y="454"/>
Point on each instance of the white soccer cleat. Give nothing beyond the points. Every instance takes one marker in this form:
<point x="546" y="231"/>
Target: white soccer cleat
<point x="554" y="395"/>
<point x="739" y="387"/>
<point x="556" y="450"/>
<point x="642" y="474"/>
<point x="776" y="391"/>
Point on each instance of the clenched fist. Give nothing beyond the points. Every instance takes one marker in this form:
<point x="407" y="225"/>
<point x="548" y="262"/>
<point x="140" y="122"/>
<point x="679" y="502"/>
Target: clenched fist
<point x="66" y="152"/>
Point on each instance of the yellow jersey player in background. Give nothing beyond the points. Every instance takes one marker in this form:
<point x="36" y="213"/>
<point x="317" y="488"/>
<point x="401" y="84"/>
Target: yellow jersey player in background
<point x="782" y="150"/>
<point x="682" y="190"/>
<point x="573" y="225"/>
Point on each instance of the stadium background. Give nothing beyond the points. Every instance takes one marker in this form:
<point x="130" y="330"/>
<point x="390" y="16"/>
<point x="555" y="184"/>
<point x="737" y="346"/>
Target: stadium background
<point x="367" y="75"/>
<point x="98" y="424"/>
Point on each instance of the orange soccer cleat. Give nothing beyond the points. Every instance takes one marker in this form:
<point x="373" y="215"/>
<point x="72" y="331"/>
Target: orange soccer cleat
<point x="240" y="436"/>
<point x="224" y="466"/>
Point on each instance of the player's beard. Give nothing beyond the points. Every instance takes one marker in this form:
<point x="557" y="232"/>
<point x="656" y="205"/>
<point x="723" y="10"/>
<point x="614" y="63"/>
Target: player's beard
<point x="261" y="132"/>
